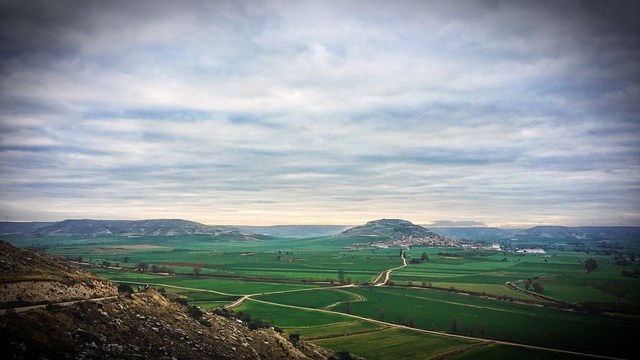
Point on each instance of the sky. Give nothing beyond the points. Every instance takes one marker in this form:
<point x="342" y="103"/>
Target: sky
<point x="496" y="113"/>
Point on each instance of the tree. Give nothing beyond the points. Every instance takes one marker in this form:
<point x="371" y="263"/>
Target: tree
<point x="348" y="307"/>
<point x="590" y="264"/>
<point x="537" y="287"/>
<point x="454" y="324"/>
<point x="424" y="257"/>
<point x="294" y="338"/>
<point x="126" y="259"/>
<point x="143" y="266"/>
<point x="197" y="270"/>
<point x="410" y="321"/>
<point x="341" y="276"/>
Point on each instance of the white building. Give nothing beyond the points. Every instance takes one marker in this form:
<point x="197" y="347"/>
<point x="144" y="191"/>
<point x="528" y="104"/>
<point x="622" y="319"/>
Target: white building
<point x="536" y="251"/>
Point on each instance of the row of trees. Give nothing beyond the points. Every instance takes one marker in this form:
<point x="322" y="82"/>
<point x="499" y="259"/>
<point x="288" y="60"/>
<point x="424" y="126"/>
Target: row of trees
<point x="144" y="267"/>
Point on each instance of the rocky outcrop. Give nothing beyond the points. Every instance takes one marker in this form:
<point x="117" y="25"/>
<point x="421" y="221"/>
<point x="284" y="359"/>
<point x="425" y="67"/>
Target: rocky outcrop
<point x="29" y="277"/>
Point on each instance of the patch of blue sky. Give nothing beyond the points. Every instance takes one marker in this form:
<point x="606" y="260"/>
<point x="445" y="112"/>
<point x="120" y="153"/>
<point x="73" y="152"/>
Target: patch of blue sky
<point x="151" y="114"/>
<point x="52" y="149"/>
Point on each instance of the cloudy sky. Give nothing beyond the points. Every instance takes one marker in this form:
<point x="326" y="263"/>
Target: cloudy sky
<point x="503" y="113"/>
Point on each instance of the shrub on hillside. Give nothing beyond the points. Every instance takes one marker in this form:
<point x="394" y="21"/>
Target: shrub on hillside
<point x="195" y="312"/>
<point x="125" y="289"/>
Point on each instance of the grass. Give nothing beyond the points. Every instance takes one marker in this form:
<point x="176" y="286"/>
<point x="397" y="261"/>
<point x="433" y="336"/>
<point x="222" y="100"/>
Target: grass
<point x="506" y="352"/>
<point x="227" y="286"/>
<point x="286" y="317"/>
<point x="338" y="329"/>
<point x="389" y="344"/>
<point x="473" y="316"/>
<point x="316" y="299"/>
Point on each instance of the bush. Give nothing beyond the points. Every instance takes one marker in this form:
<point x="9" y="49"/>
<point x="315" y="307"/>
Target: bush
<point x="223" y="312"/>
<point x="259" y="324"/>
<point x="124" y="288"/>
<point x="342" y="355"/>
<point x="195" y="312"/>
<point x="182" y="301"/>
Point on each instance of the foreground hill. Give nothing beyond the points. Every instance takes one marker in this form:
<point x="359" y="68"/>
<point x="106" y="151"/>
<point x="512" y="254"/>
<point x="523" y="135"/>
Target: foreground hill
<point x="28" y="277"/>
<point x="144" y="325"/>
<point x="398" y="232"/>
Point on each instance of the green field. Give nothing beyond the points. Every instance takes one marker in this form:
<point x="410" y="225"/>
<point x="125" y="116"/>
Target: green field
<point x="292" y="283"/>
<point x="395" y="343"/>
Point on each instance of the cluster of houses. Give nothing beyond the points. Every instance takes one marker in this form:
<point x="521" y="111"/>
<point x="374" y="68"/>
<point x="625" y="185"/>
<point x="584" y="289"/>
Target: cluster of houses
<point x="496" y="247"/>
<point x="407" y="242"/>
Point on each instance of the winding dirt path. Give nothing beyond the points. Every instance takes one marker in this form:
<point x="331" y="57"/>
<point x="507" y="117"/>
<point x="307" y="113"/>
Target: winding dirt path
<point x="388" y="272"/>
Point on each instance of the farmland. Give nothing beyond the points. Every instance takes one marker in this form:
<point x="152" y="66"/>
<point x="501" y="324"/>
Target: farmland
<point x="456" y="304"/>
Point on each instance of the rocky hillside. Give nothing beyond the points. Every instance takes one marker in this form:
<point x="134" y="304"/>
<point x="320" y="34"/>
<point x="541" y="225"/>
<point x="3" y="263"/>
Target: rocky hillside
<point x="28" y="277"/>
<point x="399" y="232"/>
<point x="145" y="325"/>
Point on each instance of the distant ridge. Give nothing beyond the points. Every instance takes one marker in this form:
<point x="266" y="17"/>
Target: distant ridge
<point x="88" y="227"/>
<point x="545" y="233"/>
<point x="10" y="228"/>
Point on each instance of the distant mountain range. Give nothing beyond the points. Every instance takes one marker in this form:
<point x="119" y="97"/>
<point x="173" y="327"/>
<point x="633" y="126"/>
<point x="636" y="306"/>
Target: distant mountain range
<point x="541" y="233"/>
<point x="160" y="227"/>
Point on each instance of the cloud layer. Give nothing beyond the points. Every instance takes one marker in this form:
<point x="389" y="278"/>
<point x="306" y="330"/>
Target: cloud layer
<point x="227" y="112"/>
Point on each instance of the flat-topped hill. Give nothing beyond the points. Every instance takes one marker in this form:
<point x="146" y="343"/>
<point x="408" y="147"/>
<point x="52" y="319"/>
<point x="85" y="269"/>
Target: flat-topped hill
<point x="397" y="230"/>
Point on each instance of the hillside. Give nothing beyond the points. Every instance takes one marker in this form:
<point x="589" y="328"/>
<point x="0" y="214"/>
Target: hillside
<point x="143" y="325"/>
<point x="10" y="228"/>
<point x="28" y="277"/>
<point x="546" y="234"/>
<point x="156" y="227"/>
<point x="398" y="232"/>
